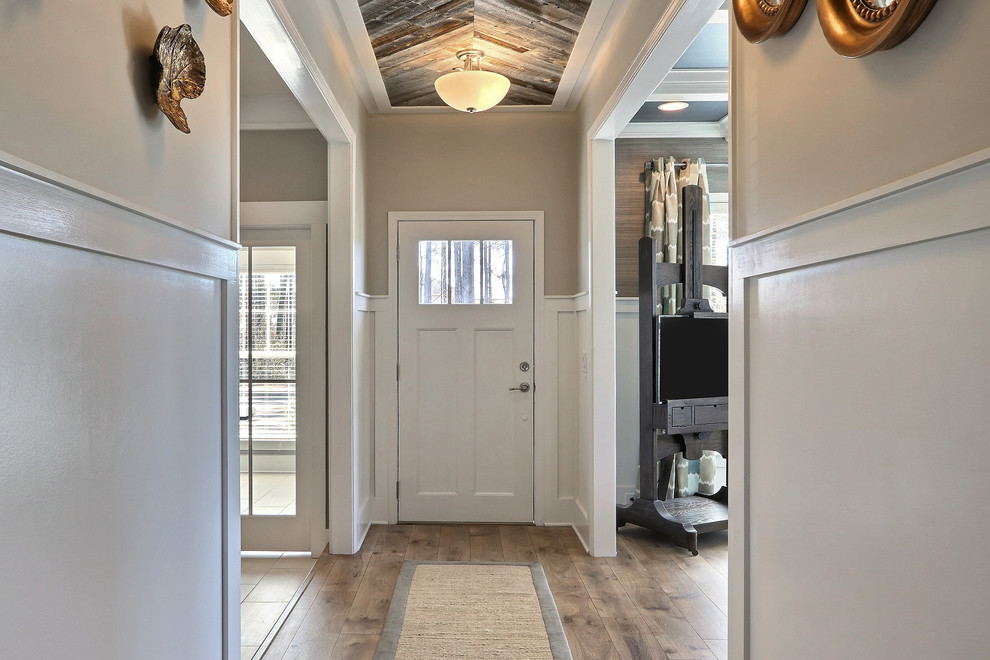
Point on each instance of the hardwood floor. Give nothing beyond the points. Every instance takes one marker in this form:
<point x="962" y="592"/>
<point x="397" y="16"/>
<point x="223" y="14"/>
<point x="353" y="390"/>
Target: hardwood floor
<point x="652" y="601"/>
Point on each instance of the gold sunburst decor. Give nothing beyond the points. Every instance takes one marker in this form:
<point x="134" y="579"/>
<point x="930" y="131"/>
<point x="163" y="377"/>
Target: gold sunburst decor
<point x="222" y="7"/>
<point x="758" y="20"/>
<point x="855" y="28"/>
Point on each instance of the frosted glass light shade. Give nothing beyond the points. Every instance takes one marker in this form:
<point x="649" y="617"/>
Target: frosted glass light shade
<point x="472" y="91"/>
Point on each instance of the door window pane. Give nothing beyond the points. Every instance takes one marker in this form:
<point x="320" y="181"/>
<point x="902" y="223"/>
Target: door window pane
<point x="465" y="277"/>
<point x="497" y="271"/>
<point x="433" y="289"/>
<point x="465" y="272"/>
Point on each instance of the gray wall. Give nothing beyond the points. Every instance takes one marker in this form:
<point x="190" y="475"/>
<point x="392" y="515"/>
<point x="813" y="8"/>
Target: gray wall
<point x="860" y="355"/>
<point x="484" y="162"/>
<point x="283" y="166"/>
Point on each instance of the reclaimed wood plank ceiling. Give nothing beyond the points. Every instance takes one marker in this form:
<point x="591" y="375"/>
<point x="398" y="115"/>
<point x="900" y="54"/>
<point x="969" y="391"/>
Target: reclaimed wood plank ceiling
<point x="528" y="41"/>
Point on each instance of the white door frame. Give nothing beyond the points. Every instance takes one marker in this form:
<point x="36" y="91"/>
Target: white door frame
<point x="387" y="452"/>
<point x="270" y="24"/>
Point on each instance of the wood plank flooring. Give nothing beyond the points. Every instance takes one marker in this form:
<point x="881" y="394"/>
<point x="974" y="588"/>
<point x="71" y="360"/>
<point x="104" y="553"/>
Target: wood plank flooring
<point x="652" y="601"/>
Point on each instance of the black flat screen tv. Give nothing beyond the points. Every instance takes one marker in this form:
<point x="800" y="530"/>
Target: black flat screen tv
<point x="692" y="357"/>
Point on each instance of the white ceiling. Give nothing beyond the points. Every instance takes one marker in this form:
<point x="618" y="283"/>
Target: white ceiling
<point x="700" y="76"/>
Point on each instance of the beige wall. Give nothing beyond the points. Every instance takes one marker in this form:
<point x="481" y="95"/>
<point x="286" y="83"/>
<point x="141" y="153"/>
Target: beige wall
<point x="283" y="166"/>
<point x="485" y="162"/>
<point x="77" y="99"/>
<point x="829" y="128"/>
<point x="861" y="358"/>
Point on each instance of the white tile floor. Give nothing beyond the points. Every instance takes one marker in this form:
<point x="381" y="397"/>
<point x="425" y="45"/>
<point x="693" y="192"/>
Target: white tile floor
<point x="268" y="583"/>
<point x="274" y="493"/>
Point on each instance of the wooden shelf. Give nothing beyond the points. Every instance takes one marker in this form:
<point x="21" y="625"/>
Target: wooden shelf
<point x="681" y="518"/>
<point x="702" y="513"/>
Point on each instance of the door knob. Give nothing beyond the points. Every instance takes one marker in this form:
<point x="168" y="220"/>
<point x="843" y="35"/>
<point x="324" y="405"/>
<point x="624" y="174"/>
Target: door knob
<point x="523" y="387"/>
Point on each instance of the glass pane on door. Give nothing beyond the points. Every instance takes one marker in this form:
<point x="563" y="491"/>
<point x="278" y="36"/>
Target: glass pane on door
<point x="465" y="272"/>
<point x="267" y="365"/>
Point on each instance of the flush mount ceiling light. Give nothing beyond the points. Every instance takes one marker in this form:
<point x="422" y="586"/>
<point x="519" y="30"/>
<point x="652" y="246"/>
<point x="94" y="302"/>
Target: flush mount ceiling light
<point x="469" y="89"/>
<point x="673" y="106"/>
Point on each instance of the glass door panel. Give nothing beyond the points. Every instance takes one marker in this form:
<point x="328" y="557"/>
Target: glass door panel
<point x="267" y="365"/>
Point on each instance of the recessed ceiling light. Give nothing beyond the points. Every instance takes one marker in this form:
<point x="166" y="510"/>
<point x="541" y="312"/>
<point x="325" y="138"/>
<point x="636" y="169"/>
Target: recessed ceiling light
<point x="673" y="106"/>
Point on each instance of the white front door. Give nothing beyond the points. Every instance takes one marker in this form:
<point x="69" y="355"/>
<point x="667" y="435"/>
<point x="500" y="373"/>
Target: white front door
<point x="466" y="379"/>
<point x="280" y="387"/>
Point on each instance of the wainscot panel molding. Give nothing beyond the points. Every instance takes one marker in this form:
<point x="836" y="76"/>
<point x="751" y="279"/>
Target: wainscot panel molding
<point x="626" y="397"/>
<point x="947" y="191"/>
<point x="919" y="228"/>
<point x="378" y="420"/>
<point x="77" y="206"/>
<point x="122" y="373"/>
<point x="556" y="409"/>
<point x="51" y="208"/>
<point x="365" y="408"/>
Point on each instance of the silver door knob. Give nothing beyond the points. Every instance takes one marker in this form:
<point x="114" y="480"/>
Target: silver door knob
<point x="523" y="387"/>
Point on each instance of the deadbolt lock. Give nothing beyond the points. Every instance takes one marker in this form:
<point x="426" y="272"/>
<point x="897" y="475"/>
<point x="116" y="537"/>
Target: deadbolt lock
<point x="524" y="366"/>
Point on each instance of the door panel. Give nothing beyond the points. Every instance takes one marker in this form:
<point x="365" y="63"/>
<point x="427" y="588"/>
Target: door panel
<point x="465" y="325"/>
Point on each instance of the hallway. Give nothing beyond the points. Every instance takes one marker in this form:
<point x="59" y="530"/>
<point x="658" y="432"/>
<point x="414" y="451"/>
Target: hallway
<point x="652" y="600"/>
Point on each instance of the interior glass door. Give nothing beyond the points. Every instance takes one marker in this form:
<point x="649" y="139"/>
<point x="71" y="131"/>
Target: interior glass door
<point x="268" y="343"/>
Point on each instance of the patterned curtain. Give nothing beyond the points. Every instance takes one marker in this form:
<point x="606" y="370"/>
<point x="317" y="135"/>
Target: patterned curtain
<point x="664" y="185"/>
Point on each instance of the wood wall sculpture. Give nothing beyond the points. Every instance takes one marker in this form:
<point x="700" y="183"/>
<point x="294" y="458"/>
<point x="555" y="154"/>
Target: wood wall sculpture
<point x="855" y="28"/>
<point x="181" y="72"/>
<point x="758" y="20"/>
<point x="222" y="7"/>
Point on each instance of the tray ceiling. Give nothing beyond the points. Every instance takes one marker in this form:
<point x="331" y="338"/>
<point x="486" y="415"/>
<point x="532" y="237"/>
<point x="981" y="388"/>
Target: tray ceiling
<point x="528" y="41"/>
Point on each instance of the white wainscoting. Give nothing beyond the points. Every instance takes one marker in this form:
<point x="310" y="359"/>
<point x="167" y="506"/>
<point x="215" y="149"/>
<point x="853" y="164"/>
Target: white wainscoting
<point x="860" y="373"/>
<point x="559" y="367"/>
<point x="118" y="429"/>
<point x="556" y="371"/>
<point x="376" y="408"/>
<point x="626" y="397"/>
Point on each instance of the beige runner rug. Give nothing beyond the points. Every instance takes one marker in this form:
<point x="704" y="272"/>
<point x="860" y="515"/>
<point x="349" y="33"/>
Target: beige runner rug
<point x="472" y="610"/>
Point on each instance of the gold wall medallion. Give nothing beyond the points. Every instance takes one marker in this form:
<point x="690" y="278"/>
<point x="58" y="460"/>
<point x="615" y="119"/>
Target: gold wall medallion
<point x="181" y="72"/>
<point x="758" y="20"/>
<point x="855" y="28"/>
<point x="222" y="7"/>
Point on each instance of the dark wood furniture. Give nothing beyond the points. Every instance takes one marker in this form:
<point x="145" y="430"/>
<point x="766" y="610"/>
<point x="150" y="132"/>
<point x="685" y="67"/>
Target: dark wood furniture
<point x="689" y="425"/>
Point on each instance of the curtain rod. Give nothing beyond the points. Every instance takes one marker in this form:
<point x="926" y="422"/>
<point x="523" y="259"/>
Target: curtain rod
<point x="681" y="166"/>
